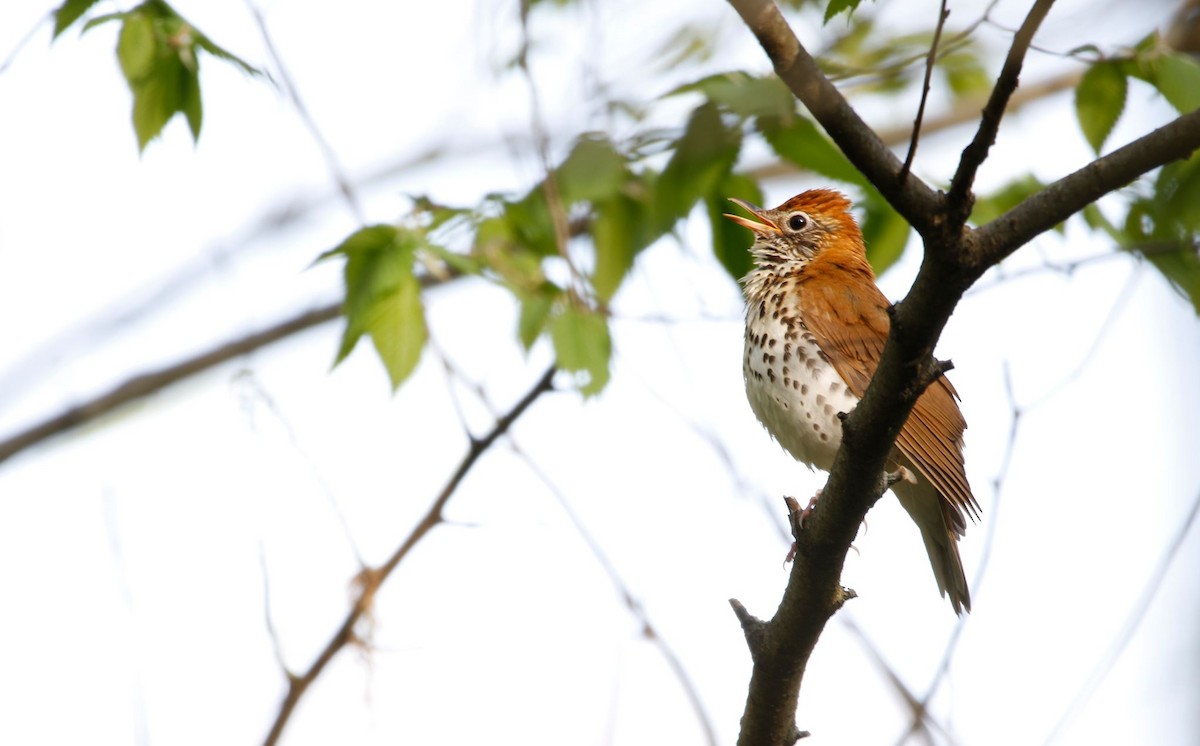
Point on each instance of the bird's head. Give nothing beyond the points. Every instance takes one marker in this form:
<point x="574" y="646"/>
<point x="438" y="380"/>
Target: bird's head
<point x="816" y="223"/>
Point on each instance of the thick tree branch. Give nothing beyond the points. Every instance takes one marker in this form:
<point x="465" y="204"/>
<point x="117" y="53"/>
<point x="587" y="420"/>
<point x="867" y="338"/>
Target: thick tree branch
<point x="911" y="197"/>
<point x="1070" y="194"/>
<point x="370" y="579"/>
<point x="975" y="153"/>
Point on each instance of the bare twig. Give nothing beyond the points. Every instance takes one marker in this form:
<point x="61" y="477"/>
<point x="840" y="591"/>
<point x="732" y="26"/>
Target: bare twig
<point x="974" y="154"/>
<point x="1132" y="622"/>
<point x="331" y="160"/>
<point x="932" y="58"/>
<point x="370" y="580"/>
<point x="920" y="718"/>
<point x="631" y="602"/>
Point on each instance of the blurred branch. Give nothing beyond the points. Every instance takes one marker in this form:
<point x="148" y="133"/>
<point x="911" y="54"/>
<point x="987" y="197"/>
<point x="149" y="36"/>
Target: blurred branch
<point x="371" y="579"/>
<point x="1136" y="615"/>
<point x="920" y="718"/>
<point x="920" y="712"/>
<point x="331" y="160"/>
<point x="631" y="602"/>
<point x="144" y="384"/>
<point x="24" y="41"/>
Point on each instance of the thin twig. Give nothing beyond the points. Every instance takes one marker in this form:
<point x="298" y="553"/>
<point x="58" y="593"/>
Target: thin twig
<point x="254" y="391"/>
<point x="973" y="156"/>
<point x="24" y="41"/>
<point x="269" y="617"/>
<point x="920" y="718"/>
<point x="541" y="139"/>
<point x="631" y="602"/>
<point x="371" y="580"/>
<point x="1132" y="622"/>
<point x="331" y="160"/>
<point x="932" y="58"/>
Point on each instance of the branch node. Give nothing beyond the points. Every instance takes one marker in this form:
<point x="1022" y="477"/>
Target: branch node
<point x="753" y="628"/>
<point x="844" y="594"/>
<point x="796" y="734"/>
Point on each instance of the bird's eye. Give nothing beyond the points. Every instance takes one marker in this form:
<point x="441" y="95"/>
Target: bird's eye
<point x="797" y="222"/>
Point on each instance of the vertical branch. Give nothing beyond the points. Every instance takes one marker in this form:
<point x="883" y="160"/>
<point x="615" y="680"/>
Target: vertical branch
<point x="929" y="62"/>
<point x="975" y="153"/>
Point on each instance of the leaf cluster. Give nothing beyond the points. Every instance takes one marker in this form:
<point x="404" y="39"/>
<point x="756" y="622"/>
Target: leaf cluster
<point x="159" y="53"/>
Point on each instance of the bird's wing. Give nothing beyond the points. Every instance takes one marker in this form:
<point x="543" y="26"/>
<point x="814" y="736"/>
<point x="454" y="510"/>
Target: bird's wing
<point x="849" y="322"/>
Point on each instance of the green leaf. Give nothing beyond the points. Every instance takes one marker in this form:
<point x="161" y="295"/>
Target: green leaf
<point x="582" y="345"/>
<point x="535" y="310"/>
<point x="397" y="327"/>
<point x="800" y="142"/>
<point x="1181" y="268"/>
<point x="965" y="74"/>
<point x="158" y="96"/>
<point x="1178" y="79"/>
<point x="70" y="12"/>
<point x="193" y="108"/>
<point x="592" y="171"/>
<point x="137" y="47"/>
<point x="614" y="235"/>
<point x="383" y="297"/>
<point x="991" y="206"/>
<point x="731" y="242"/>
<point x="744" y="94"/>
<point x="885" y="231"/>
<point x="208" y="45"/>
<point x="704" y="154"/>
<point x="1099" y="101"/>
<point x="528" y="222"/>
<point x="838" y="6"/>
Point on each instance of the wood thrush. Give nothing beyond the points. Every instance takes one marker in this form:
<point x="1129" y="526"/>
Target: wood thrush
<point x="815" y="329"/>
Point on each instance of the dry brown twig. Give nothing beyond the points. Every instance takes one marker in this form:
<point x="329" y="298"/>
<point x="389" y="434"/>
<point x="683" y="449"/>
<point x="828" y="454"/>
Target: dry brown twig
<point x="370" y="579"/>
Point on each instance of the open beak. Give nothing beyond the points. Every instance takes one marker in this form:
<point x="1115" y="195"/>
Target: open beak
<point x="759" y="228"/>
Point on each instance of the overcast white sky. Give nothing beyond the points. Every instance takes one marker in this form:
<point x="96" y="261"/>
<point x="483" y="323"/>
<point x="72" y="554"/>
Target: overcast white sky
<point x="132" y="552"/>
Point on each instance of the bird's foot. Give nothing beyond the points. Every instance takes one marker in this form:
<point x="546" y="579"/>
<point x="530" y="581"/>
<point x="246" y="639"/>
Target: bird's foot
<point x="797" y="516"/>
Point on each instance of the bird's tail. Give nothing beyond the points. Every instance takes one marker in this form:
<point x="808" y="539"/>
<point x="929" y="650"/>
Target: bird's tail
<point x="940" y="525"/>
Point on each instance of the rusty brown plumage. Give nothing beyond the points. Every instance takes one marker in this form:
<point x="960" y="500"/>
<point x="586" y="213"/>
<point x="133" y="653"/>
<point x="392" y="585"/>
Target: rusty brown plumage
<point x="812" y="270"/>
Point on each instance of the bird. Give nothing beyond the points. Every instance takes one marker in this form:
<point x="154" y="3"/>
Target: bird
<point x="816" y="324"/>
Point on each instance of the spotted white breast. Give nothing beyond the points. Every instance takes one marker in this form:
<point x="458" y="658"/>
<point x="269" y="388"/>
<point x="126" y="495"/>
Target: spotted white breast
<point x="793" y="390"/>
